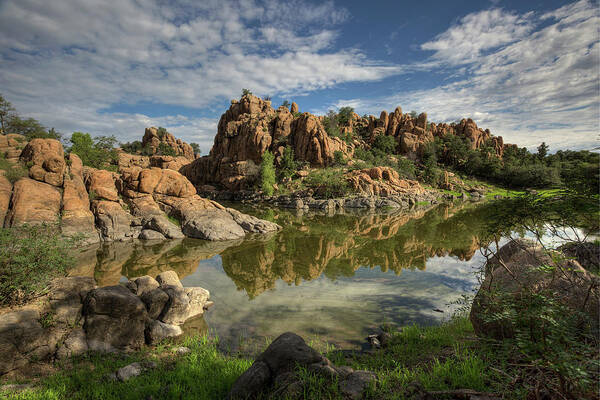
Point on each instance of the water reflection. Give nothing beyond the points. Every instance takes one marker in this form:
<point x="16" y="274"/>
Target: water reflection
<point x="332" y="275"/>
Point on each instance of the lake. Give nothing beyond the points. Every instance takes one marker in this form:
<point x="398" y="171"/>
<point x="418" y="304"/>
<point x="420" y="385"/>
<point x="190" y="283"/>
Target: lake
<point x="333" y="277"/>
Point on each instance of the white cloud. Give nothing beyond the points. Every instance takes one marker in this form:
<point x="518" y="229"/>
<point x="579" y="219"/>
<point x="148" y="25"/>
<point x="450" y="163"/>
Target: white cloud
<point x="536" y="79"/>
<point x="62" y="62"/>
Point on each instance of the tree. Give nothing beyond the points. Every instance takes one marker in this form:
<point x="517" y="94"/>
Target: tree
<point x="542" y="150"/>
<point x="285" y="104"/>
<point x="267" y="173"/>
<point x="196" y="148"/>
<point x="161" y="132"/>
<point x="30" y="128"/>
<point x="345" y="115"/>
<point x="98" y="152"/>
<point x="166" y="150"/>
<point x="246" y="92"/>
<point x="385" y="144"/>
<point x="288" y="165"/>
<point x="413" y="114"/>
<point x="6" y="111"/>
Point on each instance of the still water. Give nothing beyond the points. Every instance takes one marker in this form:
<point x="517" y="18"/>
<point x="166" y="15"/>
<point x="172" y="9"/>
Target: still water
<point x="326" y="277"/>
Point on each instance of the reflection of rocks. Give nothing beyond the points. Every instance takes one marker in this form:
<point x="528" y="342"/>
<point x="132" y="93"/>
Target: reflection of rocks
<point x="107" y="263"/>
<point x="338" y="245"/>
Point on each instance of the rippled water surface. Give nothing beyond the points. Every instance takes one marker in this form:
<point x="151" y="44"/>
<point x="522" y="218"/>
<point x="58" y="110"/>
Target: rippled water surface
<point x="332" y="277"/>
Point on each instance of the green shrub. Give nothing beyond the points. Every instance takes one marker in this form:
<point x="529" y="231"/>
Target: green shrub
<point x="328" y="183"/>
<point x="13" y="172"/>
<point x="384" y="143"/>
<point x="161" y="132"/>
<point x="166" y="150"/>
<point x="246" y="92"/>
<point x="196" y="148"/>
<point x="98" y="152"/>
<point x="267" y="173"/>
<point x="288" y="165"/>
<point x="134" y="147"/>
<point x="406" y="168"/>
<point x="31" y="256"/>
<point x="338" y="158"/>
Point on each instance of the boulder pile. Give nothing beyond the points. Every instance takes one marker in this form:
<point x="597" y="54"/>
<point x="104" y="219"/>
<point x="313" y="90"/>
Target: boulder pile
<point x="76" y="316"/>
<point x="153" y="201"/>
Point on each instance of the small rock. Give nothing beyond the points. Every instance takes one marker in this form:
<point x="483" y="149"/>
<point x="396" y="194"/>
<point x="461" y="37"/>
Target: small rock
<point x="355" y="384"/>
<point x="129" y="371"/>
<point x="374" y="341"/>
<point x="181" y="351"/>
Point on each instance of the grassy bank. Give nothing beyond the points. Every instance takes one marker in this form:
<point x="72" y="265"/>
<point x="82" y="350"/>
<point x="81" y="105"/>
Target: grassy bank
<point x="432" y="359"/>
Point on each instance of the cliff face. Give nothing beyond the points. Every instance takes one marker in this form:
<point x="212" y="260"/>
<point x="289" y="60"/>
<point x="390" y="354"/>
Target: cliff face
<point x="251" y="126"/>
<point x="248" y="129"/>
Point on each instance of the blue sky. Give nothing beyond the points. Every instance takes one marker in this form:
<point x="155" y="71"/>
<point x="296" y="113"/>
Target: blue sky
<point x="529" y="71"/>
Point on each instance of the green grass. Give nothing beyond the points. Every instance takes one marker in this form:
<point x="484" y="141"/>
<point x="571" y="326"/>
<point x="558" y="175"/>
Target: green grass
<point x="174" y="220"/>
<point x="204" y="373"/>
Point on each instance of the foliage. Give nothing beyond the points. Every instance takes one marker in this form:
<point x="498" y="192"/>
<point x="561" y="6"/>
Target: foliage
<point x="288" y="165"/>
<point x="328" y="183"/>
<point x="339" y="159"/>
<point x="6" y="112"/>
<point x="542" y="150"/>
<point x="166" y="150"/>
<point x="134" y="147"/>
<point x="196" y="148"/>
<point x="330" y="123"/>
<point x="385" y="144"/>
<point x="406" y="168"/>
<point x="11" y="122"/>
<point x="413" y="114"/>
<point x="98" y="152"/>
<point x="344" y="115"/>
<point x="161" y="132"/>
<point x="285" y="104"/>
<point x="246" y="92"/>
<point x="267" y="173"/>
<point x="31" y="256"/>
<point x="12" y="172"/>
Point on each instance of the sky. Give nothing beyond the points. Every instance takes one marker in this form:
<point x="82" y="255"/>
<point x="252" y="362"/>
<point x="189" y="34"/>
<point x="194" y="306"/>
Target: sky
<point x="527" y="70"/>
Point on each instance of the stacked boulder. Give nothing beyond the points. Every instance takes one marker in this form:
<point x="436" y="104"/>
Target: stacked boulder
<point x="251" y="127"/>
<point x="153" y="138"/>
<point x="103" y="205"/>
<point x="75" y="316"/>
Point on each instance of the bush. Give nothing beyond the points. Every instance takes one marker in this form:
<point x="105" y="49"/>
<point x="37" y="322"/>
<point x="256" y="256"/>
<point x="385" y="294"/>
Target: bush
<point x="338" y="158"/>
<point x="13" y="172"/>
<point x="246" y="92"/>
<point x="406" y="168"/>
<point x="166" y="150"/>
<point x="30" y="257"/>
<point x="328" y="183"/>
<point x="196" y="148"/>
<point x="267" y="173"/>
<point x="384" y="143"/>
<point x="161" y="132"/>
<point x="98" y="152"/>
<point x="288" y="165"/>
<point x="134" y="147"/>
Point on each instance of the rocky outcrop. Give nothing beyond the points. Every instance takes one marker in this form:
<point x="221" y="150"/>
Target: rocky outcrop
<point x="33" y="202"/>
<point x="154" y="138"/>
<point x="274" y="372"/>
<point x="103" y="205"/>
<point x="45" y="160"/>
<point x="82" y="317"/>
<point x="248" y="129"/>
<point x="521" y="268"/>
<point x="11" y="146"/>
<point x="382" y="181"/>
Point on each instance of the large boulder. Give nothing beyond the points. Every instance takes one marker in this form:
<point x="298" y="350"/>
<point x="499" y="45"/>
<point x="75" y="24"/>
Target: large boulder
<point x="33" y="202"/>
<point x="101" y="184"/>
<point x="76" y="215"/>
<point x="113" y="222"/>
<point x="211" y="225"/>
<point x="274" y="371"/>
<point x="154" y="138"/>
<point x="115" y="319"/>
<point x="46" y="160"/>
<point x="381" y="181"/>
<point x="521" y="268"/>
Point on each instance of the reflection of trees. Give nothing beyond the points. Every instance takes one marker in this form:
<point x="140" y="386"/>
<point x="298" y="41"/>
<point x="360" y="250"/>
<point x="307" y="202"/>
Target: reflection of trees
<point x="338" y="245"/>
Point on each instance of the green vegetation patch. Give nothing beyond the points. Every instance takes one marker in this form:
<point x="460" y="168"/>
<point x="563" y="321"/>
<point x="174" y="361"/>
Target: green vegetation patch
<point x="30" y="257"/>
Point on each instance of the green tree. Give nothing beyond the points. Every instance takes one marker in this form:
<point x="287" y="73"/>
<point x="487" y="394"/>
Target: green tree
<point x="288" y="165"/>
<point x="6" y="111"/>
<point x="385" y="144"/>
<point x="161" y="132"/>
<point x="285" y="104"/>
<point x="344" y="115"/>
<point x="246" y="92"/>
<point x="30" y="128"/>
<point x="338" y="158"/>
<point x="196" y="148"/>
<point x="98" y="152"/>
<point x="166" y="150"/>
<point x="267" y="173"/>
<point x="542" y="150"/>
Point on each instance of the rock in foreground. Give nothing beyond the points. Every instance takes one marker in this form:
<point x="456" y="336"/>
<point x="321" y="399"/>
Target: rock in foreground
<point x="274" y="372"/>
